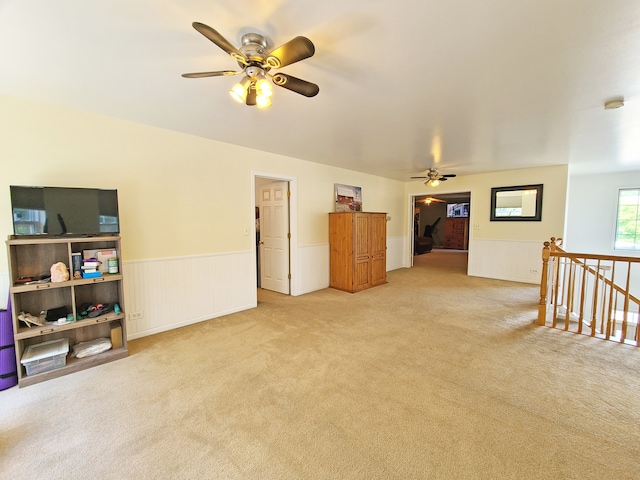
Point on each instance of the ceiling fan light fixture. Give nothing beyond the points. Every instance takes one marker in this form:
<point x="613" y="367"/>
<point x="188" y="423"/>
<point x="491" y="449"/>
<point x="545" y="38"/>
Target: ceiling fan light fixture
<point x="432" y="182"/>
<point x="263" y="86"/>
<point x="262" y="101"/>
<point x="239" y="91"/>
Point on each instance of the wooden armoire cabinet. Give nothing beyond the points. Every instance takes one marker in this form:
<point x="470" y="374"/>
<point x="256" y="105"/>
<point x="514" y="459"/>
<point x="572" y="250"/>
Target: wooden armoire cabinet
<point x="358" y="250"/>
<point x="456" y="233"/>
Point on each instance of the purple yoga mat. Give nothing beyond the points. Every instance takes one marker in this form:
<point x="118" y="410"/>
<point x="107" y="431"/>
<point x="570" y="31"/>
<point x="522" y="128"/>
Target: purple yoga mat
<point x="8" y="370"/>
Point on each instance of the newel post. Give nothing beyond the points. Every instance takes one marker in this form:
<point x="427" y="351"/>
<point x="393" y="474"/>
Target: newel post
<point x="542" y="306"/>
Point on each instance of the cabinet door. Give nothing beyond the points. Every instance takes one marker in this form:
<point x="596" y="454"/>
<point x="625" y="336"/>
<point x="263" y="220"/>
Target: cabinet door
<point x="362" y="274"/>
<point x="341" y="255"/>
<point x="362" y="264"/>
<point x="378" y="270"/>
<point x="362" y="235"/>
<point x="378" y="233"/>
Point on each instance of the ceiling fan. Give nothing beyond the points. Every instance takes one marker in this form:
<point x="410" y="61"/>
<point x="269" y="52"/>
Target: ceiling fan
<point x="434" y="178"/>
<point x="429" y="200"/>
<point x="256" y="62"/>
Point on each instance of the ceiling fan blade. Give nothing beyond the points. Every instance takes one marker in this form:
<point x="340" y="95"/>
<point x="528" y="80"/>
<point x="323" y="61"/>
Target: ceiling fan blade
<point x="419" y="177"/>
<point x="297" y="85"/>
<point x="443" y="179"/>
<point x="220" y="41"/>
<point x="293" y="51"/>
<point x="450" y="175"/>
<point x="225" y="73"/>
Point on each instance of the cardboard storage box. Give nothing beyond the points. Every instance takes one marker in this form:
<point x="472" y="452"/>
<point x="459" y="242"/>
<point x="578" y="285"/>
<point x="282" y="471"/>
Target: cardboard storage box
<point x="45" y="356"/>
<point x="116" y="336"/>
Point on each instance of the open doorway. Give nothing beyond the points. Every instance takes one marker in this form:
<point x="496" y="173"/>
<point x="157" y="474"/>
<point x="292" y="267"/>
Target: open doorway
<point x="440" y="221"/>
<point x="274" y="232"/>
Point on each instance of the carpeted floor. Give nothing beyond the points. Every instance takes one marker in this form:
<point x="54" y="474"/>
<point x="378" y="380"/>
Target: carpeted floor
<point x="435" y="375"/>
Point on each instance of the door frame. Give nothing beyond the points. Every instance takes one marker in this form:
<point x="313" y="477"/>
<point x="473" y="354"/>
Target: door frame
<point x="293" y="225"/>
<point x="412" y="204"/>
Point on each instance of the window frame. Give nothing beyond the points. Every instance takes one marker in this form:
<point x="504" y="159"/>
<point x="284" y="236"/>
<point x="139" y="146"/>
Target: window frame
<point x="636" y="239"/>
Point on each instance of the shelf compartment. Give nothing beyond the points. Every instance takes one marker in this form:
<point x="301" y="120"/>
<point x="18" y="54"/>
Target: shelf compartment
<point x="34" y="302"/>
<point x="38" y="331"/>
<point x="75" y="365"/>
<point x="105" y="292"/>
<point x="76" y="332"/>
<point x="89" y="331"/>
<point x="31" y="260"/>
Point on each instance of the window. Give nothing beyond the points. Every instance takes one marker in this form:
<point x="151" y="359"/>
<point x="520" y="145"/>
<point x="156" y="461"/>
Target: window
<point x="628" y="220"/>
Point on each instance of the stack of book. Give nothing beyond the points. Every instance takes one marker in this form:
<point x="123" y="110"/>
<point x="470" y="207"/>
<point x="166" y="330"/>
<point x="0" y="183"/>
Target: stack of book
<point x="90" y="268"/>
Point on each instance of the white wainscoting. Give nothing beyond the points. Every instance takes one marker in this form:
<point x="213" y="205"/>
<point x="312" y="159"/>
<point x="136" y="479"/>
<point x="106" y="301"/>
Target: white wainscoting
<point x="313" y="265"/>
<point x="313" y="269"/>
<point x="514" y="260"/>
<point x="395" y="253"/>
<point x="174" y="292"/>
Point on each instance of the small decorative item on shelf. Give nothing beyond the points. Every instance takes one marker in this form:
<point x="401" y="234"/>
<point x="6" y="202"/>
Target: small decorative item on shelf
<point x="57" y="314"/>
<point x="91" y="347"/>
<point x="113" y="265"/>
<point x="28" y="279"/>
<point x="92" y="311"/>
<point x="31" y="320"/>
<point x="76" y="265"/>
<point x="90" y="268"/>
<point x="59" y="272"/>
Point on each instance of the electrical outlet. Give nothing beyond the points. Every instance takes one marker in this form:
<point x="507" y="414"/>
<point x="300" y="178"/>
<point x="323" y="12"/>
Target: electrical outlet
<point x="533" y="270"/>
<point x="476" y="226"/>
<point x="136" y="315"/>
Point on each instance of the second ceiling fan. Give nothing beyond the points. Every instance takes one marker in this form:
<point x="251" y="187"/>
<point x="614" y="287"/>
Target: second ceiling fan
<point x="434" y="178"/>
<point x="256" y="62"/>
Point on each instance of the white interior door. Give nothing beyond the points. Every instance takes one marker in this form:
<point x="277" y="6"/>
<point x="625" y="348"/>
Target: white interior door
<point x="273" y="202"/>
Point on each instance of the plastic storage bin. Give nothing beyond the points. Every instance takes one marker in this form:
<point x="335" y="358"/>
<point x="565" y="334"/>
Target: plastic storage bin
<point x="45" y="356"/>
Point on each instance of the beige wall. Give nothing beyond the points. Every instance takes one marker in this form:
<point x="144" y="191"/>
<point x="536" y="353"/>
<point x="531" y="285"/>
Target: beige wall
<point x="179" y="194"/>
<point x="182" y="195"/>
<point x="554" y="201"/>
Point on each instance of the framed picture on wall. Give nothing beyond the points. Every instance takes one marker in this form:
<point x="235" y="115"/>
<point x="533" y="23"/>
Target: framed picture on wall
<point x="348" y="198"/>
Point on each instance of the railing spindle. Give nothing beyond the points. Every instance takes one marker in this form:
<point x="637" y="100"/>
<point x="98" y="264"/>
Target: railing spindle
<point x="583" y="288"/>
<point x="610" y="309"/>
<point x="623" y="333"/>
<point x="594" y="313"/>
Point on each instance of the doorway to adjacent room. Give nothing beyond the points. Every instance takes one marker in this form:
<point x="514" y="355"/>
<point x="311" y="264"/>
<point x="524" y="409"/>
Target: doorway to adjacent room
<point x="273" y="233"/>
<point x="443" y="219"/>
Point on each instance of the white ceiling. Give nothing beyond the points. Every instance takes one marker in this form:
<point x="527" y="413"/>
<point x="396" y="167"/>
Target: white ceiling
<point x="466" y="85"/>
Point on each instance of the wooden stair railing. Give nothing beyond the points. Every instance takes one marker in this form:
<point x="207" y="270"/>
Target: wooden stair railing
<point x="580" y="290"/>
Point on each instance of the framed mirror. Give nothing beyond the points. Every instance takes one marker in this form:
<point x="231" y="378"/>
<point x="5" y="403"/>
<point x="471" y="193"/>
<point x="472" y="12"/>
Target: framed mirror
<point x="519" y="203"/>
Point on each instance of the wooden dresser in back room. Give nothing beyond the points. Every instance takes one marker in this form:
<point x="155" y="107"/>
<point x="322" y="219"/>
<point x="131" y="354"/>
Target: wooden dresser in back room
<point x="456" y="233"/>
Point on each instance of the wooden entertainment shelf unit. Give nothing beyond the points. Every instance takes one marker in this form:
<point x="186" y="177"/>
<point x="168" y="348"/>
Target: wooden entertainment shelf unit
<point x="35" y="256"/>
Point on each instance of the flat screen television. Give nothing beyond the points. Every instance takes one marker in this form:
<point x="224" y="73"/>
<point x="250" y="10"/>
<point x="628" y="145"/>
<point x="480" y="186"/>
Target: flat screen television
<point x="457" y="210"/>
<point x="56" y="211"/>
